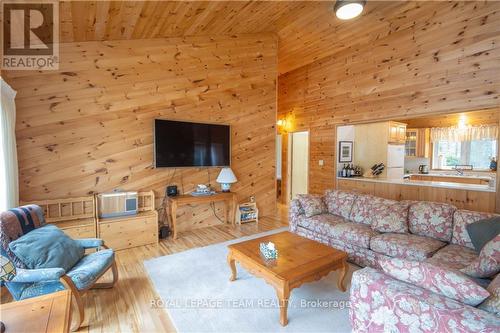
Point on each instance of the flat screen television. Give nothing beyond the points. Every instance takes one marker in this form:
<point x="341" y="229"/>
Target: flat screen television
<point x="186" y="144"/>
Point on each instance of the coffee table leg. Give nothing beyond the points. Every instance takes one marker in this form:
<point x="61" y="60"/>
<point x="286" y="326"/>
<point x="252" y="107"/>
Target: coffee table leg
<point x="232" y="265"/>
<point x="343" y="271"/>
<point x="283" y="296"/>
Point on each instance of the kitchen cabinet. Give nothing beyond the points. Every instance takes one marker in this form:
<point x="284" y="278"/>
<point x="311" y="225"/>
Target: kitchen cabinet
<point x="417" y="142"/>
<point x="397" y="132"/>
<point x="462" y="198"/>
<point x="450" y="179"/>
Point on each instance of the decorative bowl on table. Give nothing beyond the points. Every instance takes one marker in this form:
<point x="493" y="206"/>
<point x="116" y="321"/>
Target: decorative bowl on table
<point x="268" y="251"/>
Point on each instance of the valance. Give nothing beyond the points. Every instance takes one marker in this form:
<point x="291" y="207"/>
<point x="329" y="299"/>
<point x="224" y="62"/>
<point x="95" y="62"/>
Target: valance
<point x="467" y="133"/>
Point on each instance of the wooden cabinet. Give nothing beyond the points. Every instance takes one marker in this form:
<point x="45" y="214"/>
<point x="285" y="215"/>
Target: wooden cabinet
<point x="417" y="142"/>
<point x="356" y="186"/>
<point x="397" y="132"/>
<point x="481" y="201"/>
<point x="74" y="216"/>
<point x="129" y="231"/>
<point x="458" y="179"/>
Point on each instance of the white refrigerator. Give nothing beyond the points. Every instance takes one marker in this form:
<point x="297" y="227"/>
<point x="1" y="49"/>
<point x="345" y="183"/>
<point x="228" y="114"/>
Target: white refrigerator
<point x="395" y="161"/>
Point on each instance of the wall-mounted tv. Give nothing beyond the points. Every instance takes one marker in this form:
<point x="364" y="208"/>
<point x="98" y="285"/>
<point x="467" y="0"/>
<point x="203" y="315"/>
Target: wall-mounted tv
<point x="186" y="144"/>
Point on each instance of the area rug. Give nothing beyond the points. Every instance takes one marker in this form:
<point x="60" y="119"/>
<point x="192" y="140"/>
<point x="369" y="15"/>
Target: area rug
<point x="195" y="290"/>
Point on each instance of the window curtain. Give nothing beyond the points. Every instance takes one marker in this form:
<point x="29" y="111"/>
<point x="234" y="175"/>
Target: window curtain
<point x="9" y="183"/>
<point x="460" y="134"/>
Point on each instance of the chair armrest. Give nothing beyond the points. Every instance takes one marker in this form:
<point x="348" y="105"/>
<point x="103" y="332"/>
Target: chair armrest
<point x="37" y="275"/>
<point x="90" y="243"/>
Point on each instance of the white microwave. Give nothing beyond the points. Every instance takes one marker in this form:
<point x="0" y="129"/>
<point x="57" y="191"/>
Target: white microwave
<point x="117" y="204"/>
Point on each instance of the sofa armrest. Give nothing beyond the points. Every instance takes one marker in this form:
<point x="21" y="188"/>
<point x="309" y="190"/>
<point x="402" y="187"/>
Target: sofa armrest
<point x="90" y="243"/>
<point x="294" y="212"/>
<point x="37" y="275"/>
<point x="382" y="303"/>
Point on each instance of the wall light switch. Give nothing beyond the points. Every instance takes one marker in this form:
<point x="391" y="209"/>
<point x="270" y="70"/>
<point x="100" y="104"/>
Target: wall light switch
<point x="321" y="162"/>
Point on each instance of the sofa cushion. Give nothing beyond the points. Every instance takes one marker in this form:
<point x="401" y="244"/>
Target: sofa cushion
<point x="390" y="216"/>
<point x="353" y="233"/>
<point x="322" y="238"/>
<point x="492" y="303"/>
<point x="443" y="281"/>
<point x="47" y="247"/>
<point x="405" y="246"/>
<point x="339" y="202"/>
<point x="431" y="219"/>
<point x="380" y="303"/>
<point x="487" y="264"/>
<point x="358" y="255"/>
<point x="321" y="224"/>
<point x="90" y="268"/>
<point x="453" y="256"/>
<point x="363" y="207"/>
<point x="311" y="204"/>
<point x="462" y="218"/>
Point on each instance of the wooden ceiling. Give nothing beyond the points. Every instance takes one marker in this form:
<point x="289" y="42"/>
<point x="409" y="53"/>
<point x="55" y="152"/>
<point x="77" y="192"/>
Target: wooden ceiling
<point x="307" y="30"/>
<point x="481" y="117"/>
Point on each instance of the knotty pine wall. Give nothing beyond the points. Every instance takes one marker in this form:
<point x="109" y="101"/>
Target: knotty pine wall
<point x="441" y="62"/>
<point x="88" y="127"/>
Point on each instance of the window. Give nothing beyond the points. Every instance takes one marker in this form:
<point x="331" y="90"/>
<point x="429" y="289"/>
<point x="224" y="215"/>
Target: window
<point x="448" y="154"/>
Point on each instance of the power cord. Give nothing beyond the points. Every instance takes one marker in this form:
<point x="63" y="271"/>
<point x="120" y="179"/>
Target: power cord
<point x="212" y="205"/>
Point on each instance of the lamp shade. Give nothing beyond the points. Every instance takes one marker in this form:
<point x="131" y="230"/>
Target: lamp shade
<point x="7" y="269"/>
<point x="226" y="176"/>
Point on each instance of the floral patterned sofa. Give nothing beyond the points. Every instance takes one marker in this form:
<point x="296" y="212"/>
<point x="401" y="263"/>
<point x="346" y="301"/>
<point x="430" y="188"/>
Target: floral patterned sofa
<point x="372" y="229"/>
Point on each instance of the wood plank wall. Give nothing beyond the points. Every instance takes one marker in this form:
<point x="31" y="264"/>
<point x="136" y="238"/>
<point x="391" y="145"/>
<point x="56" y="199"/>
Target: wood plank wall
<point x="88" y="127"/>
<point x="440" y="62"/>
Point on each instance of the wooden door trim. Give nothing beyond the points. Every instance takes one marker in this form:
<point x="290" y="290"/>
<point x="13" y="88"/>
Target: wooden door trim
<point x="290" y="164"/>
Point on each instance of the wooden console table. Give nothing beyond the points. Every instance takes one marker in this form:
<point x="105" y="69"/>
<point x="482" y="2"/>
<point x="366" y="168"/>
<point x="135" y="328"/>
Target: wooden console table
<point x="228" y="198"/>
<point x="47" y="313"/>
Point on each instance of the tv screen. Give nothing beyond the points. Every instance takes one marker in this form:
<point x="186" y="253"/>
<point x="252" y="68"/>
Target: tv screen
<point x="185" y="144"/>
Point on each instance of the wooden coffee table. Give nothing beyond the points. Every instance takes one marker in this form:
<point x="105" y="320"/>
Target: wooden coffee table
<point x="300" y="260"/>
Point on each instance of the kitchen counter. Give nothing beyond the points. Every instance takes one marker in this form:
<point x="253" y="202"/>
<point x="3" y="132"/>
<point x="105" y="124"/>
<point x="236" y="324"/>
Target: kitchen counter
<point x="447" y="175"/>
<point x="450" y="185"/>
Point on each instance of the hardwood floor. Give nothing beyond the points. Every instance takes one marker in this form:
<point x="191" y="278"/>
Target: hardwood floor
<point x="128" y="306"/>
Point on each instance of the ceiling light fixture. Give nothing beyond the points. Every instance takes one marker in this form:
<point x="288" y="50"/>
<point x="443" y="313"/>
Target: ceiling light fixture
<point x="346" y="10"/>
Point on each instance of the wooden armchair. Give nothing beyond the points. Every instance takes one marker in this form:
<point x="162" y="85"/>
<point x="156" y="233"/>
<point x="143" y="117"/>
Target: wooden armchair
<point x="82" y="277"/>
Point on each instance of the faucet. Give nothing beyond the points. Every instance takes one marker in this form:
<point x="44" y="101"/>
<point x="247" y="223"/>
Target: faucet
<point x="460" y="168"/>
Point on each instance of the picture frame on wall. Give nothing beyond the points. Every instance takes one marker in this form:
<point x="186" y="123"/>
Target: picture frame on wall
<point x="345" y="151"/>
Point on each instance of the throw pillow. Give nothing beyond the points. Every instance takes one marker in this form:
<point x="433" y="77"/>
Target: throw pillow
<point x="487" y="263"/>
<point x="492" y="303"/>
<point x="47" y="247"/>
<point x="461" y="218"/>
<point x="390" y="216"/>
<point x="446" y="282"/>
<point x="312" y="204"/>
<point x="481" y="232"/>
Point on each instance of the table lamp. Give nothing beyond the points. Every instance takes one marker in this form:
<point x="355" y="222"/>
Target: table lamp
<point x="7" y="273"/>
<point x="226" y="178"/>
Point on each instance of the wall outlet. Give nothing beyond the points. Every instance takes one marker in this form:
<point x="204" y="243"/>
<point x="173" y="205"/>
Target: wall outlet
<point x="321" y="162"/>
<point x="252" y="199"/>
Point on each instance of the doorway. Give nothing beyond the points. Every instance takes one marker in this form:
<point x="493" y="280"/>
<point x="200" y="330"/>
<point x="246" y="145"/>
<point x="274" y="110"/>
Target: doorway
<point x="298" y="166"/>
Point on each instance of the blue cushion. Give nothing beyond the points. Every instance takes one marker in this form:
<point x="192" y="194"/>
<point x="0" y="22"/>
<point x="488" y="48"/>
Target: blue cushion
<point x="88" y="270"/>
<point x="47" y="247"/>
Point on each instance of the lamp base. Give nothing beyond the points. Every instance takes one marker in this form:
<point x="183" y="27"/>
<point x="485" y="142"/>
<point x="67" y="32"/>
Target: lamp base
<point x="225" y="187"/>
